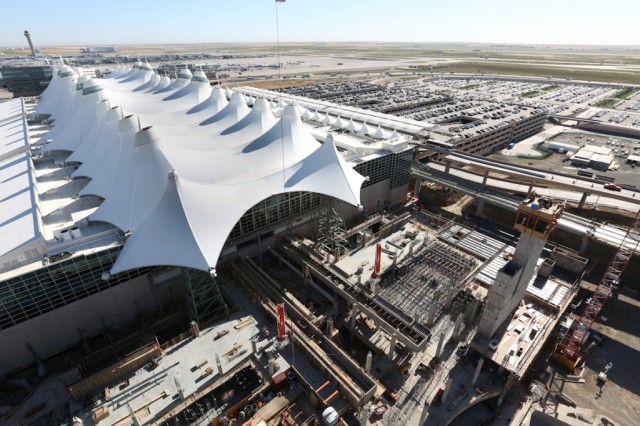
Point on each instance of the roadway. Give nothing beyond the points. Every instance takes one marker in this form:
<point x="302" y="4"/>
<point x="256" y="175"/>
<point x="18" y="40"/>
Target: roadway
<point x="472" y="184"/>
<point x="557" y="180"/>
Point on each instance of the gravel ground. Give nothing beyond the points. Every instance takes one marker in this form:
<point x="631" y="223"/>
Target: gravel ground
<point x="620" y="396"/>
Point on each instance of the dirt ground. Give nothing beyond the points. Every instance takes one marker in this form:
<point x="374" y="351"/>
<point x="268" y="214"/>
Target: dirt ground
<point x="619" y="398"/>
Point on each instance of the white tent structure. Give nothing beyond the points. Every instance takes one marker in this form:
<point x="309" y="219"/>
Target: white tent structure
<point x="364" y="129"/>
<point x="378" y="133"/>
<point x="179" y="166"/>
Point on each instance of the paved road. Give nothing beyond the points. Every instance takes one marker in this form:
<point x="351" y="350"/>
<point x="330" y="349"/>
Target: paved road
<point x="626" y="199"/>
<point x="471" y="184"/>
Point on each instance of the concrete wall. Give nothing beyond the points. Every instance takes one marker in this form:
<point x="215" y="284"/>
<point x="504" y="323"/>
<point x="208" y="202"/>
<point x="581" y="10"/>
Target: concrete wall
<point x="571" y="263"/>
<point x="508" y="289"/>
<point x="58" y="330"/>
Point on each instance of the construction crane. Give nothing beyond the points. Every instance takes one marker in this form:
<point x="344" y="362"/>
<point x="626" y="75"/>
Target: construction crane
<point x="569" y="352"/>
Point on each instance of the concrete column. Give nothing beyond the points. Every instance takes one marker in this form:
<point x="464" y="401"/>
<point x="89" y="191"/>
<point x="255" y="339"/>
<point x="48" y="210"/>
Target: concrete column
<point x="392" y="345"/>
<point x="457" y="328"/>
<point x="195" y="329"/>
<point x="447" y="388"/>
<point x="504" y="392"/>
<point x="329" y="328"/>
<point x="584" y="244"/>
<point x="272" y="367"/>
<point x="354" y="315"/>
<point x="447" y="166"/>
<point x="473" y="310"/>
<point x="440" y="343"/>
<point x="367" y="364"/>
<point x="219" y="364"/>
<point x="583" y="200"/>
<point x="530" y="190"/>
<point x="425" y="411"/>
<point x="134" y="419"/>
<point x="364" y="416"/>
<point x="431" y="316"/>
<point x="416" y="189"/>
<point x="484" y="177"/>
<point x="450" y="295"/>
<point x="480" y="207"/>
<point x="477" y="372"/>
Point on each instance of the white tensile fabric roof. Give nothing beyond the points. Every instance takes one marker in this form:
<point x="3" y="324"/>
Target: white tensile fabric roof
<point x="178" y="164"/>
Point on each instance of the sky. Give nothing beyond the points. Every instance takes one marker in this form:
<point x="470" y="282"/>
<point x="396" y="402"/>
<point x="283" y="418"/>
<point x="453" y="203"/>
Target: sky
<point x="117" y="22"/>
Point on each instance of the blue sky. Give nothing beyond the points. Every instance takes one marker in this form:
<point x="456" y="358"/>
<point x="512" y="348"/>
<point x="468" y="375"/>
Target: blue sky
<point x="109" y="22"/>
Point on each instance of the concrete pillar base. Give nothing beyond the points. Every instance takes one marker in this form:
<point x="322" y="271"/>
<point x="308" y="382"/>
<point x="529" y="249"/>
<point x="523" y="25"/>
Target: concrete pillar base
<point x="392" y="346"/>
<point x="480" y="207"/>
<point x="583" y="245"/>
<point x="583" y="200"/>
<point x="477" y="372"/>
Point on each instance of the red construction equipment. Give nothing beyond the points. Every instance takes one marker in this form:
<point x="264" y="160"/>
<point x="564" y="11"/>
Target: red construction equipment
<point x="570" y="348"/>
<point x="282" y="332"/>
<point x="376" y="266"/>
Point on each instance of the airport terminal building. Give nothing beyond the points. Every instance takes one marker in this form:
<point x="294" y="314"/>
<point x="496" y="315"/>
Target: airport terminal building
<point x="125" y="194"/>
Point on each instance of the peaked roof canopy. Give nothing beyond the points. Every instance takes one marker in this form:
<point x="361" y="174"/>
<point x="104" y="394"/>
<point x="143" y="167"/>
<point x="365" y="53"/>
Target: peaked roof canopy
<point x="178" y="164"/>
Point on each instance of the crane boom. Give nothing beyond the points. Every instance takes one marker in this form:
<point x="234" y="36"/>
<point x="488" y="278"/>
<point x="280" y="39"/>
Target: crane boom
<point x="570" y="349"/>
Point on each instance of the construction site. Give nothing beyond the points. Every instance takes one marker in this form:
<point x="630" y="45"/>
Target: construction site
<point x="352" y="306"/>
<point x="399" y="319"/>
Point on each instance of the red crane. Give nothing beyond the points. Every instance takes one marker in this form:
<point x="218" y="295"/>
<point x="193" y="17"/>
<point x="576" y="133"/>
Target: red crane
<point x="376" y="266"/>
<point x="570" y="348"/>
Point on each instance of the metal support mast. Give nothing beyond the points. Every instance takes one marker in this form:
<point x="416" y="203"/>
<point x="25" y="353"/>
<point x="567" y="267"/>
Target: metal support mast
<point x="203" y="297"/>
<point x="331" y="229"/>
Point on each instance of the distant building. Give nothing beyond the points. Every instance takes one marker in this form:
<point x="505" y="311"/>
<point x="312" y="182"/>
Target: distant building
<point x="100" y="49"/>
<point x="562" y="146"/>
<point x="25" y="78"/>
<point x="596" y="157"/>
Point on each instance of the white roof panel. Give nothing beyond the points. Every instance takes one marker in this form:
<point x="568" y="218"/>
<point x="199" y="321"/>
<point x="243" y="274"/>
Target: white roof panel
<point x="181" y="182"/>
<point x="20" y="221"/>
<point x="13" y="135"/>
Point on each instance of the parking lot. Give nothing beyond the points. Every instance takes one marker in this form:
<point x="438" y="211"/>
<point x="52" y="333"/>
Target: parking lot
<point x="627" y="172"/>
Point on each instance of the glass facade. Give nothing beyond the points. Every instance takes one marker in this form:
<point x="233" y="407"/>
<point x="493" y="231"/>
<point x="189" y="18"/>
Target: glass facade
<point x="394" y="166"/>
<point x="27" y="81"/>
<point x="59" y="284"/>
<point x="275" y="209"/>
<point x="64" y="282"/>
